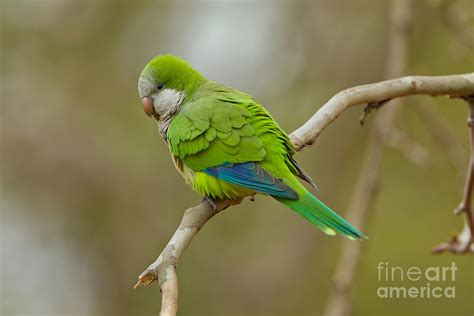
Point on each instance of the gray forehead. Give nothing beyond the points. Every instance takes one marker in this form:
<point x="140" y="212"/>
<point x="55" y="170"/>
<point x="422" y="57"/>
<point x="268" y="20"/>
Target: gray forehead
<point x="145" y="86"/>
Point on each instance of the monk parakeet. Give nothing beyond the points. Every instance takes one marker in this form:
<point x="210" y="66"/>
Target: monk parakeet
<point x="225" y="144"/>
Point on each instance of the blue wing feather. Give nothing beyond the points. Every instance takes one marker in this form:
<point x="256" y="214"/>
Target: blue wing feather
<point x="251" y="175"/>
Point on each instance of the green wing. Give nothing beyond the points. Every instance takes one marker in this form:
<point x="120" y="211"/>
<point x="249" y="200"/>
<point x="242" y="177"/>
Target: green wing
<point x="221" y="125"/>
<point x="212" y="130"/>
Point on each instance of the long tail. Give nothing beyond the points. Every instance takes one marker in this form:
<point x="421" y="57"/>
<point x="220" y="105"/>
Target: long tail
<point x="322" y="216"/>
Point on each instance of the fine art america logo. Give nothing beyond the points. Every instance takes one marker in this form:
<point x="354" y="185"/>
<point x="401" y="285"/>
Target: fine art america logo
<point x="416" y="282"/>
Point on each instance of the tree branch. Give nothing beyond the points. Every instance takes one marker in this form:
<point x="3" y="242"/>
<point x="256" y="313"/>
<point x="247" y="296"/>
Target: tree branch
<point x="452" y="86"/>
<point x="163" y="268"/>
<point x="194" y="218"/>
<point x="464" y="242"/>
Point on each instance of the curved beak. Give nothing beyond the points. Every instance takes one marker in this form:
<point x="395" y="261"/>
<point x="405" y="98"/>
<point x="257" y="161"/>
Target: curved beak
<point x="147" y="104"/>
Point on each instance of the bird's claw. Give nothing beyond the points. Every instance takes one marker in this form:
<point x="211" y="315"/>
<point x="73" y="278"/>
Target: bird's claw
<point x="212" y="203"/>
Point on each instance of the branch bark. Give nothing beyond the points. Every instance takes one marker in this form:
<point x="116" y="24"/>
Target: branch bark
<point x="452" y="86"/>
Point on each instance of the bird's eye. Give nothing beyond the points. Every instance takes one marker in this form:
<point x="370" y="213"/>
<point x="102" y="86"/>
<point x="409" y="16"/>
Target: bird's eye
<point x="159" y="87"/>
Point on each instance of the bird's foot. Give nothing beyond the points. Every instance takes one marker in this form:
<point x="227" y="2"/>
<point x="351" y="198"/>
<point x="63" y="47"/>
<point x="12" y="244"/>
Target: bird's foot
<point x="213" y="203"/>
<point x="219" y="205"/>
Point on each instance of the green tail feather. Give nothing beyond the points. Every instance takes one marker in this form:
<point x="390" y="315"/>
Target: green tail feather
<point x="322" y="216"/>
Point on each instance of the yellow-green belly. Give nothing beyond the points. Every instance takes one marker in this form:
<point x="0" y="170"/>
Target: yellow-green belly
<point x="215" y="188"/>
<point x="210" y="186"/>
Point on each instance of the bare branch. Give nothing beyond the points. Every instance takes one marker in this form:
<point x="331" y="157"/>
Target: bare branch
<point x="464" y="242"/>
<point x="452" y="85"/>
<point x="163" y="268"/>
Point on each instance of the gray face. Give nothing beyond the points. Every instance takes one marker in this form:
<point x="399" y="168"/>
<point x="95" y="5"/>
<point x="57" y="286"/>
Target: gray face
<point x="166" y="101"/>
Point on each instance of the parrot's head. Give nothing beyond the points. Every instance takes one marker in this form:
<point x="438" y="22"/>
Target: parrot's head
<point x="164" y="83"/>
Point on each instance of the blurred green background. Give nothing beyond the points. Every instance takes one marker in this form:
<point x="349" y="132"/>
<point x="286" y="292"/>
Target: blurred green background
<point x="89" y="195"/>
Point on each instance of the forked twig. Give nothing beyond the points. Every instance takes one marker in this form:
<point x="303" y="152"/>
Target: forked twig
<point x="464" y="241"/>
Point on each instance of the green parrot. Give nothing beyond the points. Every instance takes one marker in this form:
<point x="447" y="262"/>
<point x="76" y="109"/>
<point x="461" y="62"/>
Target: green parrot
<point x="226" y="145"/>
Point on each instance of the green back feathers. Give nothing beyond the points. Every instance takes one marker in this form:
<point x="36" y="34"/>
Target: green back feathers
<point x="219" y="125"/>
<point x="209" y="131"/>
<point x="173" y="73"/>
